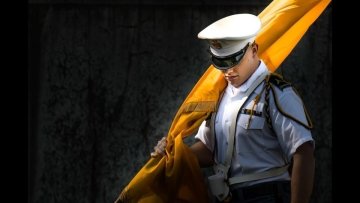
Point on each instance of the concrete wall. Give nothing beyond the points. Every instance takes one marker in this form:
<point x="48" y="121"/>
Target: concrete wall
<point x="106" y="79"/>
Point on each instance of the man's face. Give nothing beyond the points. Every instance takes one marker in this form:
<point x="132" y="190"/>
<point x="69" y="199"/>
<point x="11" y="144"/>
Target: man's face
<point x="238" y="74"/>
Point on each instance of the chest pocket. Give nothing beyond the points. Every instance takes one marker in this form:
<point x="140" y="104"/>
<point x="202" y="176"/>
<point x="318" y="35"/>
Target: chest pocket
<point x="252" y="120"/>
<point x="255" y="122"/>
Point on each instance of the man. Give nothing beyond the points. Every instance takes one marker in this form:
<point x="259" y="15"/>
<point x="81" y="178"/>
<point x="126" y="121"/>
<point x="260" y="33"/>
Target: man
<point x="260" y="125"/>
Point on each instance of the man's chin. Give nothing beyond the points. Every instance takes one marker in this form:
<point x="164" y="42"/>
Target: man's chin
<point x="234" y="84"/>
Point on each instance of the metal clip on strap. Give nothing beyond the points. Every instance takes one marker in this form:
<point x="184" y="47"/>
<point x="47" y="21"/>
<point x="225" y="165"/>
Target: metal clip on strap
<point x="222" y="169"/>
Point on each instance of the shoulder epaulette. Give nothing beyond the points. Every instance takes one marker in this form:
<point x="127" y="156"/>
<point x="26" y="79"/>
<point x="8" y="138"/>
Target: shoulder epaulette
<point x="281" y="83"/>
<point x="278" y="80"/>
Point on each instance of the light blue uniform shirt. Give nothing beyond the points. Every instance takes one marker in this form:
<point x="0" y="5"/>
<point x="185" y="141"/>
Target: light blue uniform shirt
<point x="256" y="148"/>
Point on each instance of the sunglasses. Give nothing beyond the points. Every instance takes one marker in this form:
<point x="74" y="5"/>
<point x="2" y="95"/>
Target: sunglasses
<point x="227" y="62"/>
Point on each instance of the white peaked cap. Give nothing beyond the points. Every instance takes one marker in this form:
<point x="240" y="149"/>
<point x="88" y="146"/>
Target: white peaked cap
<point x="230" y="34"/>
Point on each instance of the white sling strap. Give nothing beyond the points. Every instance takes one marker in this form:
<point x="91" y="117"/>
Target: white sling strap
<point x="234" y="116"/>
<point x="258" y="176"/>
<point x="223" y="168"/>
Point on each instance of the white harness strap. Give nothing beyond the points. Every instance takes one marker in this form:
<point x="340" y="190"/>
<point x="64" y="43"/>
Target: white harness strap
<point x="234" y="116"/>
<point x="258" y="176"/>
<point x="223" y="168"/>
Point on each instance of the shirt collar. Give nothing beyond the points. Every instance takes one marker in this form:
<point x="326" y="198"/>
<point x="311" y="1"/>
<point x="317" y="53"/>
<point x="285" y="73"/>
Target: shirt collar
<point x="246" y="85"/>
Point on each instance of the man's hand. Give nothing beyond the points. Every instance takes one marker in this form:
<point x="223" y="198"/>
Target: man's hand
<point x="159" y="148"/>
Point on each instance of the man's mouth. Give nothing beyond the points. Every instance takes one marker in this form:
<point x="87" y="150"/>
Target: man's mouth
<point x="231" y="77"/>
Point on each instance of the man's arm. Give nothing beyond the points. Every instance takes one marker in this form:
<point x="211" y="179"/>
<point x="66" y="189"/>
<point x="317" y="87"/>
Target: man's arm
<point x="303" y="170"/>
<point x="203" y="154"/>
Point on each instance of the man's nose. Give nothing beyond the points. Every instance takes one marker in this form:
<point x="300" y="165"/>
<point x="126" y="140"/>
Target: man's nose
<point x="229" y="70"/>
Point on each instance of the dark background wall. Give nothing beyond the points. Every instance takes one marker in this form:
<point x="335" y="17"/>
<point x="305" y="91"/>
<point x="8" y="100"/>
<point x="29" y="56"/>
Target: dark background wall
<point x="107" y="77"/>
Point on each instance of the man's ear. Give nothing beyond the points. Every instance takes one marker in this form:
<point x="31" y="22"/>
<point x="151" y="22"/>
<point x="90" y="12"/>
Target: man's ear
<point x="254" y="48"/>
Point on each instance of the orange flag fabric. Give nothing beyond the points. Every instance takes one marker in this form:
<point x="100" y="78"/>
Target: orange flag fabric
<point x="177" y="177"/>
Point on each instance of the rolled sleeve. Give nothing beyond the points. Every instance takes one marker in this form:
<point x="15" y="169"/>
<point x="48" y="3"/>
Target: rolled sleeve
<point x="290" y="133"/>
<point x="204" y="135"/>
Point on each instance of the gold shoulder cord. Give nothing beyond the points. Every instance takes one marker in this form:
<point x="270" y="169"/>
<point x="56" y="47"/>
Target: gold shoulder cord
<point x="256" y="101"/>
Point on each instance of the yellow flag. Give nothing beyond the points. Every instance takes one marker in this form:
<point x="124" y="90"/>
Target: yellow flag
<point x="283" y="25"/>
<point x="177" y="177"/>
